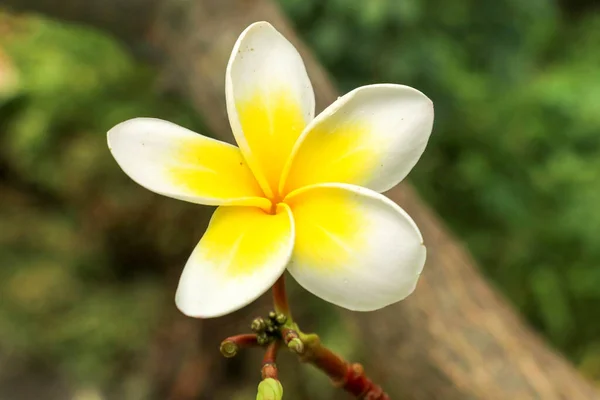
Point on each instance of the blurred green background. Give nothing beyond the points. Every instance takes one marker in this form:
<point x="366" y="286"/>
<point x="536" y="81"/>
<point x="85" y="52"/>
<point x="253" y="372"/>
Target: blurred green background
<point x="513" y="167"/>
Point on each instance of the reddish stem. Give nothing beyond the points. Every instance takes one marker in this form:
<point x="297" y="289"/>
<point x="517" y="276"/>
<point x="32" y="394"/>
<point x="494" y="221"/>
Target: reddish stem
<point x="288" y="334"/>
<point x="280" y="299"/>
<point x="350" y="377"/>
<point x="269" y="367"/>
<point x="359" y="385"/>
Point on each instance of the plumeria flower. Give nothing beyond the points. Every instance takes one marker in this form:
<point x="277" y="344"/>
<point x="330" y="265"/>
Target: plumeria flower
<point x="300" y="192"/>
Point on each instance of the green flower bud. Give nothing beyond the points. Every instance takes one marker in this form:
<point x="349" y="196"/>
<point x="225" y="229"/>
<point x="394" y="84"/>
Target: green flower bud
<point x="296" y="346"/>
<point x="262" y="339"/>
<point x="258" y="325"/>
<point x="269" y="389"/>
<point x="281" y="319"/>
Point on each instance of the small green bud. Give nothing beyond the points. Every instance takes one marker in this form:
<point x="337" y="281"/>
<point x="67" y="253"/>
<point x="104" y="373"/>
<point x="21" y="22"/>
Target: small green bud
<point x="280" y="319"/>
<point x="272" y="315"/>
<point x="269" y="326"/>
<point x="296" y="346"/>
<point x="258" y="325"/>
<point x="262" y="339"/>
<point x="269" y="389"/>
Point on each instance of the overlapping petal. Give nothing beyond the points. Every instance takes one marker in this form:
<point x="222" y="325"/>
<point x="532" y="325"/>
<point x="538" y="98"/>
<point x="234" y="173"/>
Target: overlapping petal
<point x="270" y="100"/>
<point x="371" y="137"/>
<point x="354" y="247"/>
<point x="241" y="255"/>
<point x="176" y="162"/>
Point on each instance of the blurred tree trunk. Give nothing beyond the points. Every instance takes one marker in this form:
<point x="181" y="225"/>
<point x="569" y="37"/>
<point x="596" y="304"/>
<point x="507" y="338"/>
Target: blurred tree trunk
<point x="455" y="338"/>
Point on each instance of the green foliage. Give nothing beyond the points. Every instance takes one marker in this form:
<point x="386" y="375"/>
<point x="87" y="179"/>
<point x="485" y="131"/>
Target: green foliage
<point x="514" y="162"/>
<point x="69" y="302"/>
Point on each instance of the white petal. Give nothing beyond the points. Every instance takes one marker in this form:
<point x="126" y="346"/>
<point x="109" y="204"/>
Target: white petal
<point x="354" y="247"/>
<point x="241" y="255"/>
<point x="270" y="100"/>
<point x="176" y="162"/>
<point x="372" y="137"/>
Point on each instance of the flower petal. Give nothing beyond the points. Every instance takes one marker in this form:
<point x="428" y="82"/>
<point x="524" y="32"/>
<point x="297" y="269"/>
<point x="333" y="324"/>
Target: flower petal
<point x="241" y="255"/>
<point x="270" y="100"/>
<point x="176" y="162"/>
<point x="354" y="247"/>
<point x="372" y="137"/>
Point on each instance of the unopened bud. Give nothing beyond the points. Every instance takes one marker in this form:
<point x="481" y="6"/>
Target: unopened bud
<point x="269" y="389"/>
<point x="270" y="326"/>
<point x="229" y="349"/>
<point x="296" y="346"/>
<point x="280" y="319"/>
<point x="258" y="325"/>
<point x="262" y="339"/>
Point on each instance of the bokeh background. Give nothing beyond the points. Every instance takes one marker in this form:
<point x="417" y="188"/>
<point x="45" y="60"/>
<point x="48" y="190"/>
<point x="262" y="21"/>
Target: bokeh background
<point x="88" y="259"/>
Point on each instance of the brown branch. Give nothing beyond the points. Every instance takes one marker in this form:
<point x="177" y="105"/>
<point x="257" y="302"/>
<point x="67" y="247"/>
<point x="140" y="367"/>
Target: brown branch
<point x="350" y="377"/>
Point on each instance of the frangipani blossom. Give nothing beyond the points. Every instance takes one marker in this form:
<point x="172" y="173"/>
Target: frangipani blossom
<point x="300" y="192"/>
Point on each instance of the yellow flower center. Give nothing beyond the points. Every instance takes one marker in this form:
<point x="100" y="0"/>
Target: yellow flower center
<point x="271" y="122"/>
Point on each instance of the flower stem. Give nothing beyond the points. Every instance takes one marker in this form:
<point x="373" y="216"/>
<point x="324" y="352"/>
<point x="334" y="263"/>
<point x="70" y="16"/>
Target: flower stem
<point x="280" y="300"/>
<point x="269" y="367"/>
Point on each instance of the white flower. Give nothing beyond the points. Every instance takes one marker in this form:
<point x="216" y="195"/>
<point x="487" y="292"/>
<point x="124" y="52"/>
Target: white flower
<point x="300" y="192"/>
